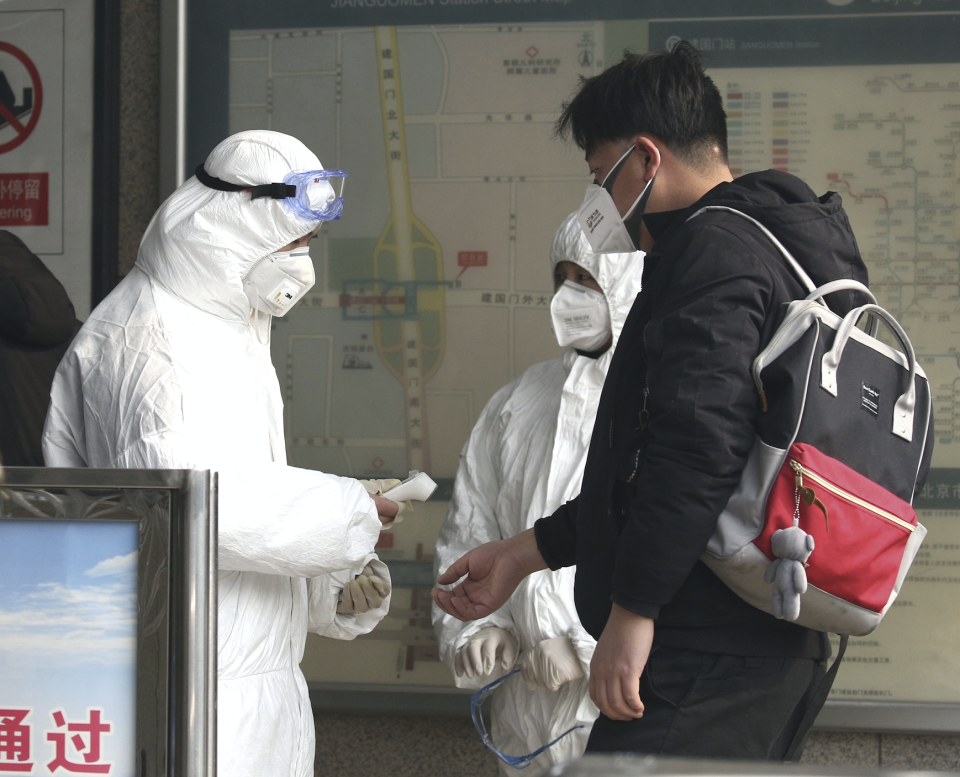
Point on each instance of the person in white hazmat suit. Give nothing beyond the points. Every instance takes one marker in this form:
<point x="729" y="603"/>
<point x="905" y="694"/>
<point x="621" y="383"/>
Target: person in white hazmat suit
<point x="524" y="458"/>
<point x="172" y="370"/>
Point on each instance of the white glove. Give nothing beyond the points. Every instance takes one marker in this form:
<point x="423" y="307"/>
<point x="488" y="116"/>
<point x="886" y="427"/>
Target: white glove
<point x="487" y="650"/>
<point x="551" y="663"/>
<point x="378" y="487"/>
<point x="366" y="592"/>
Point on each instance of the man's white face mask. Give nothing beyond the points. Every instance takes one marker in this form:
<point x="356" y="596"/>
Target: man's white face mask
<point x="278" y="281"/>
<point x="606" y="231"/>
<point x="580" y="317"/>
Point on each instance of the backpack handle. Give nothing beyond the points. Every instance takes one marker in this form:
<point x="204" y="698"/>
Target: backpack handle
<point x="845" y="284"/>
<point x="904" y="408"/>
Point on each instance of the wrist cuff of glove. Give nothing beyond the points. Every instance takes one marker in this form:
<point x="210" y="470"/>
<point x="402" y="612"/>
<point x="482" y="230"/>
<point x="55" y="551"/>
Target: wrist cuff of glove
<point x="394" y="522"/>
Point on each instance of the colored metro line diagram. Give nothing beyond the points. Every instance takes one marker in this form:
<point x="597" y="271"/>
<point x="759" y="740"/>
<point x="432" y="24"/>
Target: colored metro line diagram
<point x="888" y="143"/>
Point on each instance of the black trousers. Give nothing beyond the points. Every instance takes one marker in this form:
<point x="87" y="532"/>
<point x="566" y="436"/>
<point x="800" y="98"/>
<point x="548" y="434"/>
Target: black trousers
<point x="705" y="705"/>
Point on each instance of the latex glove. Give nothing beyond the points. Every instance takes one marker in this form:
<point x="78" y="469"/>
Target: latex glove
<point x="376" y="488"/>
<point x="550" y="664"/>
<point x="487" y="650"/>
<point x="379" y="486"/>
<point x="365" y="592"/>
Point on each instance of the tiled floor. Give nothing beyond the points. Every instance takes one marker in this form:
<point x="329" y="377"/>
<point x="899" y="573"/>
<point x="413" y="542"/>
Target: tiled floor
<point x="431" y="746"/>
<point x="828" y="748"/>
<point x="394" y="746"/>
<point x="931" y="753"/>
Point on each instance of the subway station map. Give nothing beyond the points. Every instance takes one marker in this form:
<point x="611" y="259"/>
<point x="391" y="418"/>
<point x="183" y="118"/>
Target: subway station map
<point x="456" y="187"/>
<point x="433" y="290"/>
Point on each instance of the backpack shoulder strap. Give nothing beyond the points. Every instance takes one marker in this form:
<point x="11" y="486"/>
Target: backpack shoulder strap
<point x="792" y="263"/>
<point x="815" y="699"/>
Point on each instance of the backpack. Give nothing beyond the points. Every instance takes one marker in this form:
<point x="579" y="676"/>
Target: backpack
<point x="820" y="529"/>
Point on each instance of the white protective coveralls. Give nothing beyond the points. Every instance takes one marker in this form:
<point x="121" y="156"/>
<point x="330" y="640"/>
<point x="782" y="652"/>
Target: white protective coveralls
<point x="524" y="459"/>
<point x="168" y="372"/>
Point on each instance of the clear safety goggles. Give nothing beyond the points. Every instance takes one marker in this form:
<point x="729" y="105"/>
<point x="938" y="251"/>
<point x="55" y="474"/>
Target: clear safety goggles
<point x="316" y="195"/>
<point x="319" y="194"/>
<point x="516" y="761"/>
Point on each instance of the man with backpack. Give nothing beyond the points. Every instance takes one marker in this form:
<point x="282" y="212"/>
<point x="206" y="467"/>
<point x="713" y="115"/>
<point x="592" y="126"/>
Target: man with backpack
<point x="683" y="666"/>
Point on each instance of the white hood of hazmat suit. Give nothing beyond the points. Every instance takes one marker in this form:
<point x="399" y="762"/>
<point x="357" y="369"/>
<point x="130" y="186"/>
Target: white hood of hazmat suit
<point x="524" y="459"/>
<point x="168" y="373"/>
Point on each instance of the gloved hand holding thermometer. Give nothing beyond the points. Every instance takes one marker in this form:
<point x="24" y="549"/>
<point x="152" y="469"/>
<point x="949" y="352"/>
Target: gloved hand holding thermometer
<point x="368" y="590"/>
<point x="392" y="496"/>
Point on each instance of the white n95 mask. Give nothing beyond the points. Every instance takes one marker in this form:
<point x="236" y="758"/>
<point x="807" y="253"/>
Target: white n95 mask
<point x="606" y="231"/>
<point x="278" y="281"/>
<point x="580" y="317"/>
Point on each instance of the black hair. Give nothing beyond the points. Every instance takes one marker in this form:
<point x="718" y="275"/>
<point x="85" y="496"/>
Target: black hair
<point x="664" y="93"/>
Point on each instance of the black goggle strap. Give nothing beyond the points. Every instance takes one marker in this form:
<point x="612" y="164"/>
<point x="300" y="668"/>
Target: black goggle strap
<point x="275" y="191"/>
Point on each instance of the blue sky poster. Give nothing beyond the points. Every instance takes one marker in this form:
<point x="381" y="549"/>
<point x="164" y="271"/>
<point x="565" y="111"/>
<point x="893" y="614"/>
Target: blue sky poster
<point x="68" y="647"/>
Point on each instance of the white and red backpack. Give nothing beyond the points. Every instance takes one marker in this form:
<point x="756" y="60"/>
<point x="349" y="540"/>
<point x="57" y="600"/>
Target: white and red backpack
<point x="841" y="449"/>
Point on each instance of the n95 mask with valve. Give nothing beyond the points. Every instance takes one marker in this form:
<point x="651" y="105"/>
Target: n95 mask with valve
<point x="278" y="281"/>
<point x="580" y="317"/>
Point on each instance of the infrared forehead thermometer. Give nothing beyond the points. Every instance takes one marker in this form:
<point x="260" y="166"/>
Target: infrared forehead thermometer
<point x="418" y="487"/>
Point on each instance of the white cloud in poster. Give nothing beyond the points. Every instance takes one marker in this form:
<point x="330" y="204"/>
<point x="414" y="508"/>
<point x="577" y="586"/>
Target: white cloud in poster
<point x="118" y="565"/>
<point x="55" y="625"/>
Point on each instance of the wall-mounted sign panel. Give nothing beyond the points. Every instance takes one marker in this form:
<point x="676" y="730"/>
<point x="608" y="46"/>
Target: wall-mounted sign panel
<point x="433" y="289"/>
<point x="46" y="135"/>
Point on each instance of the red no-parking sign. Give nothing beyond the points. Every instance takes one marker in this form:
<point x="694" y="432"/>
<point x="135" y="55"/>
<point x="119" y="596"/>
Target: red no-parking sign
<point x="23" y="130"/>
<point x="24" y="200"/>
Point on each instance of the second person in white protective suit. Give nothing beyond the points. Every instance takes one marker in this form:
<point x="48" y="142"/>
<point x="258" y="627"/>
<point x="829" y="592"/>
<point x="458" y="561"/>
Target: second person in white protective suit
<point x="172" y="370"/>
<point x="525" y="458"/>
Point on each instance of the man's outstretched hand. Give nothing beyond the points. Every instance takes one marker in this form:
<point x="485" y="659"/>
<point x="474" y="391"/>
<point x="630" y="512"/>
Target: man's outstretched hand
<point x="493" y="571"/>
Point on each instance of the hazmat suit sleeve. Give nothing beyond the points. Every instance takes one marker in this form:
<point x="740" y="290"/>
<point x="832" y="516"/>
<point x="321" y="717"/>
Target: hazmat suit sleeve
<point x="324" y="591"/>
<point x="543" y="607"/>
<point x="472" y="521"/>
<point x="273" y="518"/>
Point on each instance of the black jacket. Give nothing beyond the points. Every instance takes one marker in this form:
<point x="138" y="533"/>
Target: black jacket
<point x="713" y="293"/>
<point x="37" y="323"/>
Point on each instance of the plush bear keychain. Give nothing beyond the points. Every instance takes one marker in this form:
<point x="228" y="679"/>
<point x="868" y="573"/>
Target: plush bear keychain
<point x="792" y="547"/>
